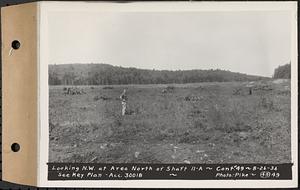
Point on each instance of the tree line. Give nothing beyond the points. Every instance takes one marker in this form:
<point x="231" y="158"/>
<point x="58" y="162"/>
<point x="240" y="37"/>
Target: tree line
<point x="104" y="74"/>
<point x="283" y="71"/>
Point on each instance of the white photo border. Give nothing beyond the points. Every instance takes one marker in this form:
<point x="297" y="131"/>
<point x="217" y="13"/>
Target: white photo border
<point x="43" y="137"/>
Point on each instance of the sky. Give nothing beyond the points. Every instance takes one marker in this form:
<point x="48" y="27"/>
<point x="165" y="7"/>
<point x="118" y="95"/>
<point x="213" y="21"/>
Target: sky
<point x="251" y="42"/>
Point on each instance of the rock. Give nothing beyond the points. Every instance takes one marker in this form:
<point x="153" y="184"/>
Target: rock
<point x="212" y="144"/>
<point x="186" y="161"/>
<point x="243" y="135"/>
<point x="103" y="146"/>
<point x="93" y="159"/>
<point x="136" y="154"/>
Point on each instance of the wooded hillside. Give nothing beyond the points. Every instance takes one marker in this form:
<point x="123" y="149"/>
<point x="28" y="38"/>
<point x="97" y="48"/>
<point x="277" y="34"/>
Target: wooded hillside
<point x="283" y="72"/>
<point x="104" y="74"/>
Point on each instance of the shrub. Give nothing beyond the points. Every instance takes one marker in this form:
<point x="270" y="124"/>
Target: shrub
<point x="169" y="88"/>
<point x="266" y="103"/>
<point x="96" y="98"/>
<point x="52" y="126"/>
<point x="228" y="119"/>
<point x="108" y="87"/>
<point x="199" y="124"/>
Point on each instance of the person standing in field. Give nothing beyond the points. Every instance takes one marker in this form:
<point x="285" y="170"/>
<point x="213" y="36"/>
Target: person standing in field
<point x="124" y="99"/>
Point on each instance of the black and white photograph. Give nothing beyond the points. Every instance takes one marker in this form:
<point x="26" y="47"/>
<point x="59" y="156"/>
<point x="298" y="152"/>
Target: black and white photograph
<point x="205" y="87"/>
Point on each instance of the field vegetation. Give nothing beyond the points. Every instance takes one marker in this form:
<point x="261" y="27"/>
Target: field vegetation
<point x="215" y="122"/>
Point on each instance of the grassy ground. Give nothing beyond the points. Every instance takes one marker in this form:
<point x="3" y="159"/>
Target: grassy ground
<point x="191" y="123"/>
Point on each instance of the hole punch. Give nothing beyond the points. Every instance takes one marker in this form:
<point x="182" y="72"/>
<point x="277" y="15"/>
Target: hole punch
<point x="15" y="44"/>
<point x="15" y="147"/>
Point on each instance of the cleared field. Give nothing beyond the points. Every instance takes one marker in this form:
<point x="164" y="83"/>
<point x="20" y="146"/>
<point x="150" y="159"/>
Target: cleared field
<point x="186" y="123"/>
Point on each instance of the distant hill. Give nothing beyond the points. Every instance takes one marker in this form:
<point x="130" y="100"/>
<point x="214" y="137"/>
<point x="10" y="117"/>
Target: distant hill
<point x="104" y="74"/>
<point x="283" y="72"/>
